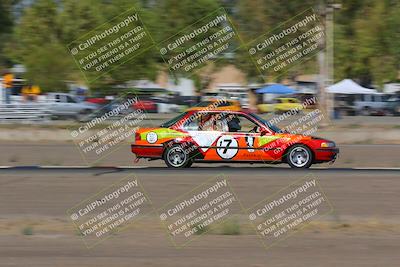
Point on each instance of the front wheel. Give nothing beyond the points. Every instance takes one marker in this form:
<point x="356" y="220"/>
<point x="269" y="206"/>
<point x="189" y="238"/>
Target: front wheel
<point x="366" y="111"/>
<point x="396" y="111"/>
<point x="299" y="156"/>
<point x="176" y="157"/>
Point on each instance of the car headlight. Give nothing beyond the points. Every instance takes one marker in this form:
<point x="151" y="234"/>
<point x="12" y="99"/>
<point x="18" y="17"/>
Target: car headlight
<point x="328" y="144"/>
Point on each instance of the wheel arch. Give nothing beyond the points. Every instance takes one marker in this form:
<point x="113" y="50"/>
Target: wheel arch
<point x="285" y="152"/>
<point x="173" y="142"/>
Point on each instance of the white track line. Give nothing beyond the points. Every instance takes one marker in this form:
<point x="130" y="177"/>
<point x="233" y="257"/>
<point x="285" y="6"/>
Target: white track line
<point x="376" y="168"/>
<point x="145" y="167"/>
<point x="91" y="167"/>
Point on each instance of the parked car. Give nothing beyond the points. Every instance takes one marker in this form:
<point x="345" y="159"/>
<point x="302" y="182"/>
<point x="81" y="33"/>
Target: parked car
<point x="97" y="100"/>
<point x="148" y="106"/>
<point x="344" y="105"/>
<point x="66" y="105"/>
<point x="393" y="105"/>
<point x="232" y="136"/>
<point x="164" y="105"/>
<point x="280" y="105"/>
<point x="370" y="104"/>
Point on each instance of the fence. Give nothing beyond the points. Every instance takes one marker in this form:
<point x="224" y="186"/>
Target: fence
<point x="23" y="112"/>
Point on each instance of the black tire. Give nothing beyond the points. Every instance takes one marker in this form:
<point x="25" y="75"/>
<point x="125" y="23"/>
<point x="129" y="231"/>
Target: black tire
<point x="299" y="157"/>
<point x="189" y="164"/>
<point x="83" y="116"/>
<point x="365" y="111"/>
<point x="54" y="117"/>
<point x="175" y="157"/>
<point x="396" y="111"/>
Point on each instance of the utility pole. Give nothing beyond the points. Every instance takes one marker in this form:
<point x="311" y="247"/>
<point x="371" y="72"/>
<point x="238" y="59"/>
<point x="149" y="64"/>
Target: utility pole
<point x="330" y="50"/>
<point x="321" y="58"/>
<point x="326" y="59"/>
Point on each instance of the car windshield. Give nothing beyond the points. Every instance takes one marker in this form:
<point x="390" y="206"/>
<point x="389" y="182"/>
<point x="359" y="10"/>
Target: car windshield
<point x="393" y="99"/>
<point x="173" y="121"/>
<point x="271" y="126"/>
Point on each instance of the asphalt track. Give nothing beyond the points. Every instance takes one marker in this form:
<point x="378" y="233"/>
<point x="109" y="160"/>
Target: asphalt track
<point x="67" y="154"/>
<point x="231" y="168"/>
<point x="363" y="229"/>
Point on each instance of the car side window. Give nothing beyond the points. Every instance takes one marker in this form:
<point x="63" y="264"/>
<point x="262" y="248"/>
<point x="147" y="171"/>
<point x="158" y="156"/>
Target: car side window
<point x="206" y="122"/>
<point x="210" y="122"/>
<point x="242" y="124"/>
<point x="70" y="100"/>
<point x="63" y="98"/>
<point x="198" y="122"/>
<point x="192" y="124"/>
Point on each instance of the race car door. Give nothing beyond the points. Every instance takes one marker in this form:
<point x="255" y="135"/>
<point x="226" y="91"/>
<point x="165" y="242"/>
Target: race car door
<point x="239" y="142"/>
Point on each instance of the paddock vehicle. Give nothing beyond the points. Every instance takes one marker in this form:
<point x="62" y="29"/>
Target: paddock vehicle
<point x="66" y="105"/>
<point x="393" y="105"/>
<point x="228" y="136"/>
<point x="281" y="105"/>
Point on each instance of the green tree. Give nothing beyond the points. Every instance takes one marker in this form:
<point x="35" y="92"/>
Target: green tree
<point x="367" y="41"/>
<point x="256" y="18"/>
<point x="36" y="44"/>
<point x="367" y="36"/>
<point x="48" y="26"/>
<point x="175" y="16"/>
<point x="6" y="24"/>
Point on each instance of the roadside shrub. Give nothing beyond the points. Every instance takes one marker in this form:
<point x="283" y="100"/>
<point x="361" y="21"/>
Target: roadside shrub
<point x="230" y="227"/>
<point x="28" y="230"/>
<point x="201" y="230"/>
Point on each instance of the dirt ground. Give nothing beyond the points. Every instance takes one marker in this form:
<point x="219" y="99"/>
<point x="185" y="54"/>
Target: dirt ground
<point x="362" y="230"/>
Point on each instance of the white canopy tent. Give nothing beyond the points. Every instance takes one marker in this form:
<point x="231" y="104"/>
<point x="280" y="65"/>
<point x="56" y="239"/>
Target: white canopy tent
<point x="348" y="86"/>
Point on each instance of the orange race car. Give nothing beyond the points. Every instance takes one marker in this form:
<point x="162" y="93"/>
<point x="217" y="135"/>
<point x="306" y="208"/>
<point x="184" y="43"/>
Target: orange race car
<point x="228" y="136"/>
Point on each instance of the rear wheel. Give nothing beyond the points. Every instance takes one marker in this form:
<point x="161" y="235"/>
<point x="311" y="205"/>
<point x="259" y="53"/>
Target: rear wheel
<point x="83" y="116"/>
<point x="366" y="111"/>
<point x="299" y="156"/>
<point x="397" y="111"/>
<point x="176" y="157"/>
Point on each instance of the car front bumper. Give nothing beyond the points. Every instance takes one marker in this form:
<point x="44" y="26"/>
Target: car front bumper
<point x="326" y="154"/>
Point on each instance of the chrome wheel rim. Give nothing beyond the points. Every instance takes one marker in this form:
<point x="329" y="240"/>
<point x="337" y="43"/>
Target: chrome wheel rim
<point x="299" y="156"/>
<point x="176" y="157"/>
